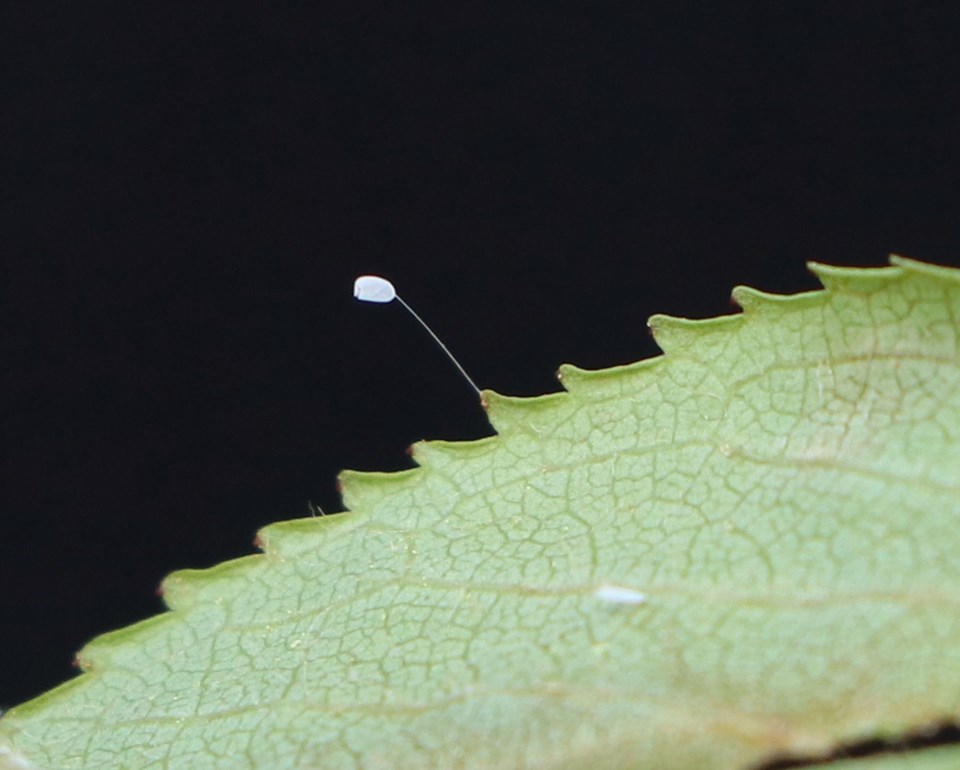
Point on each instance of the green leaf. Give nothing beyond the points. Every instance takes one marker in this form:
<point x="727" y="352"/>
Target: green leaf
<point x="745" y="548"/>
<point x="943" y="758"/>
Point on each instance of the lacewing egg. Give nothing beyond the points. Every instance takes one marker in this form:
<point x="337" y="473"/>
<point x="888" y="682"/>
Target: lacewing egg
<point x="373" y="288"/>
<point x="609" y="592"/>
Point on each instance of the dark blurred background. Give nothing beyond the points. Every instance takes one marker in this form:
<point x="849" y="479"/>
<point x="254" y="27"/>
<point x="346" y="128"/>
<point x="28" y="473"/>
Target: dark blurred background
<point x="189" y="191"/>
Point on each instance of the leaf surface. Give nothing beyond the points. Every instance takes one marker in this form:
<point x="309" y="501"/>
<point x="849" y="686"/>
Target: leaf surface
<point x="745" y="548"/>
<point x="941" y="758"/>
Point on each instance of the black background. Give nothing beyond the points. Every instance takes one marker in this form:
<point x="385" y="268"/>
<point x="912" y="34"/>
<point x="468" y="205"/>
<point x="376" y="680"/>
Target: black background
<point x="189" y="191"/>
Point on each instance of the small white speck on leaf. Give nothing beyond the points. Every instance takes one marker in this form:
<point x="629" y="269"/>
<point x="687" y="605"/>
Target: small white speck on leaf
<point x="609" y="592"/>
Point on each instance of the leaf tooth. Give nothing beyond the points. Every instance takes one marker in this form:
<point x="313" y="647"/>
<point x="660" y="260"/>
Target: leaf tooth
<point x="362" y="489"/>
<point x="590" y="381"/>
<point x="95" y="655"/>
<point x="523" y="414"/>
<point x="674" y="334"/>
<point x="185" y="588"/>
<point x="429" y="454"/>
<point x="100" y="652"/>
<point x="924" y="269"/>
<point x="752" y="300"/>
<point x="671" y="332"/>
<point x="853" y="280"/>
<point x="290" y="538"/>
